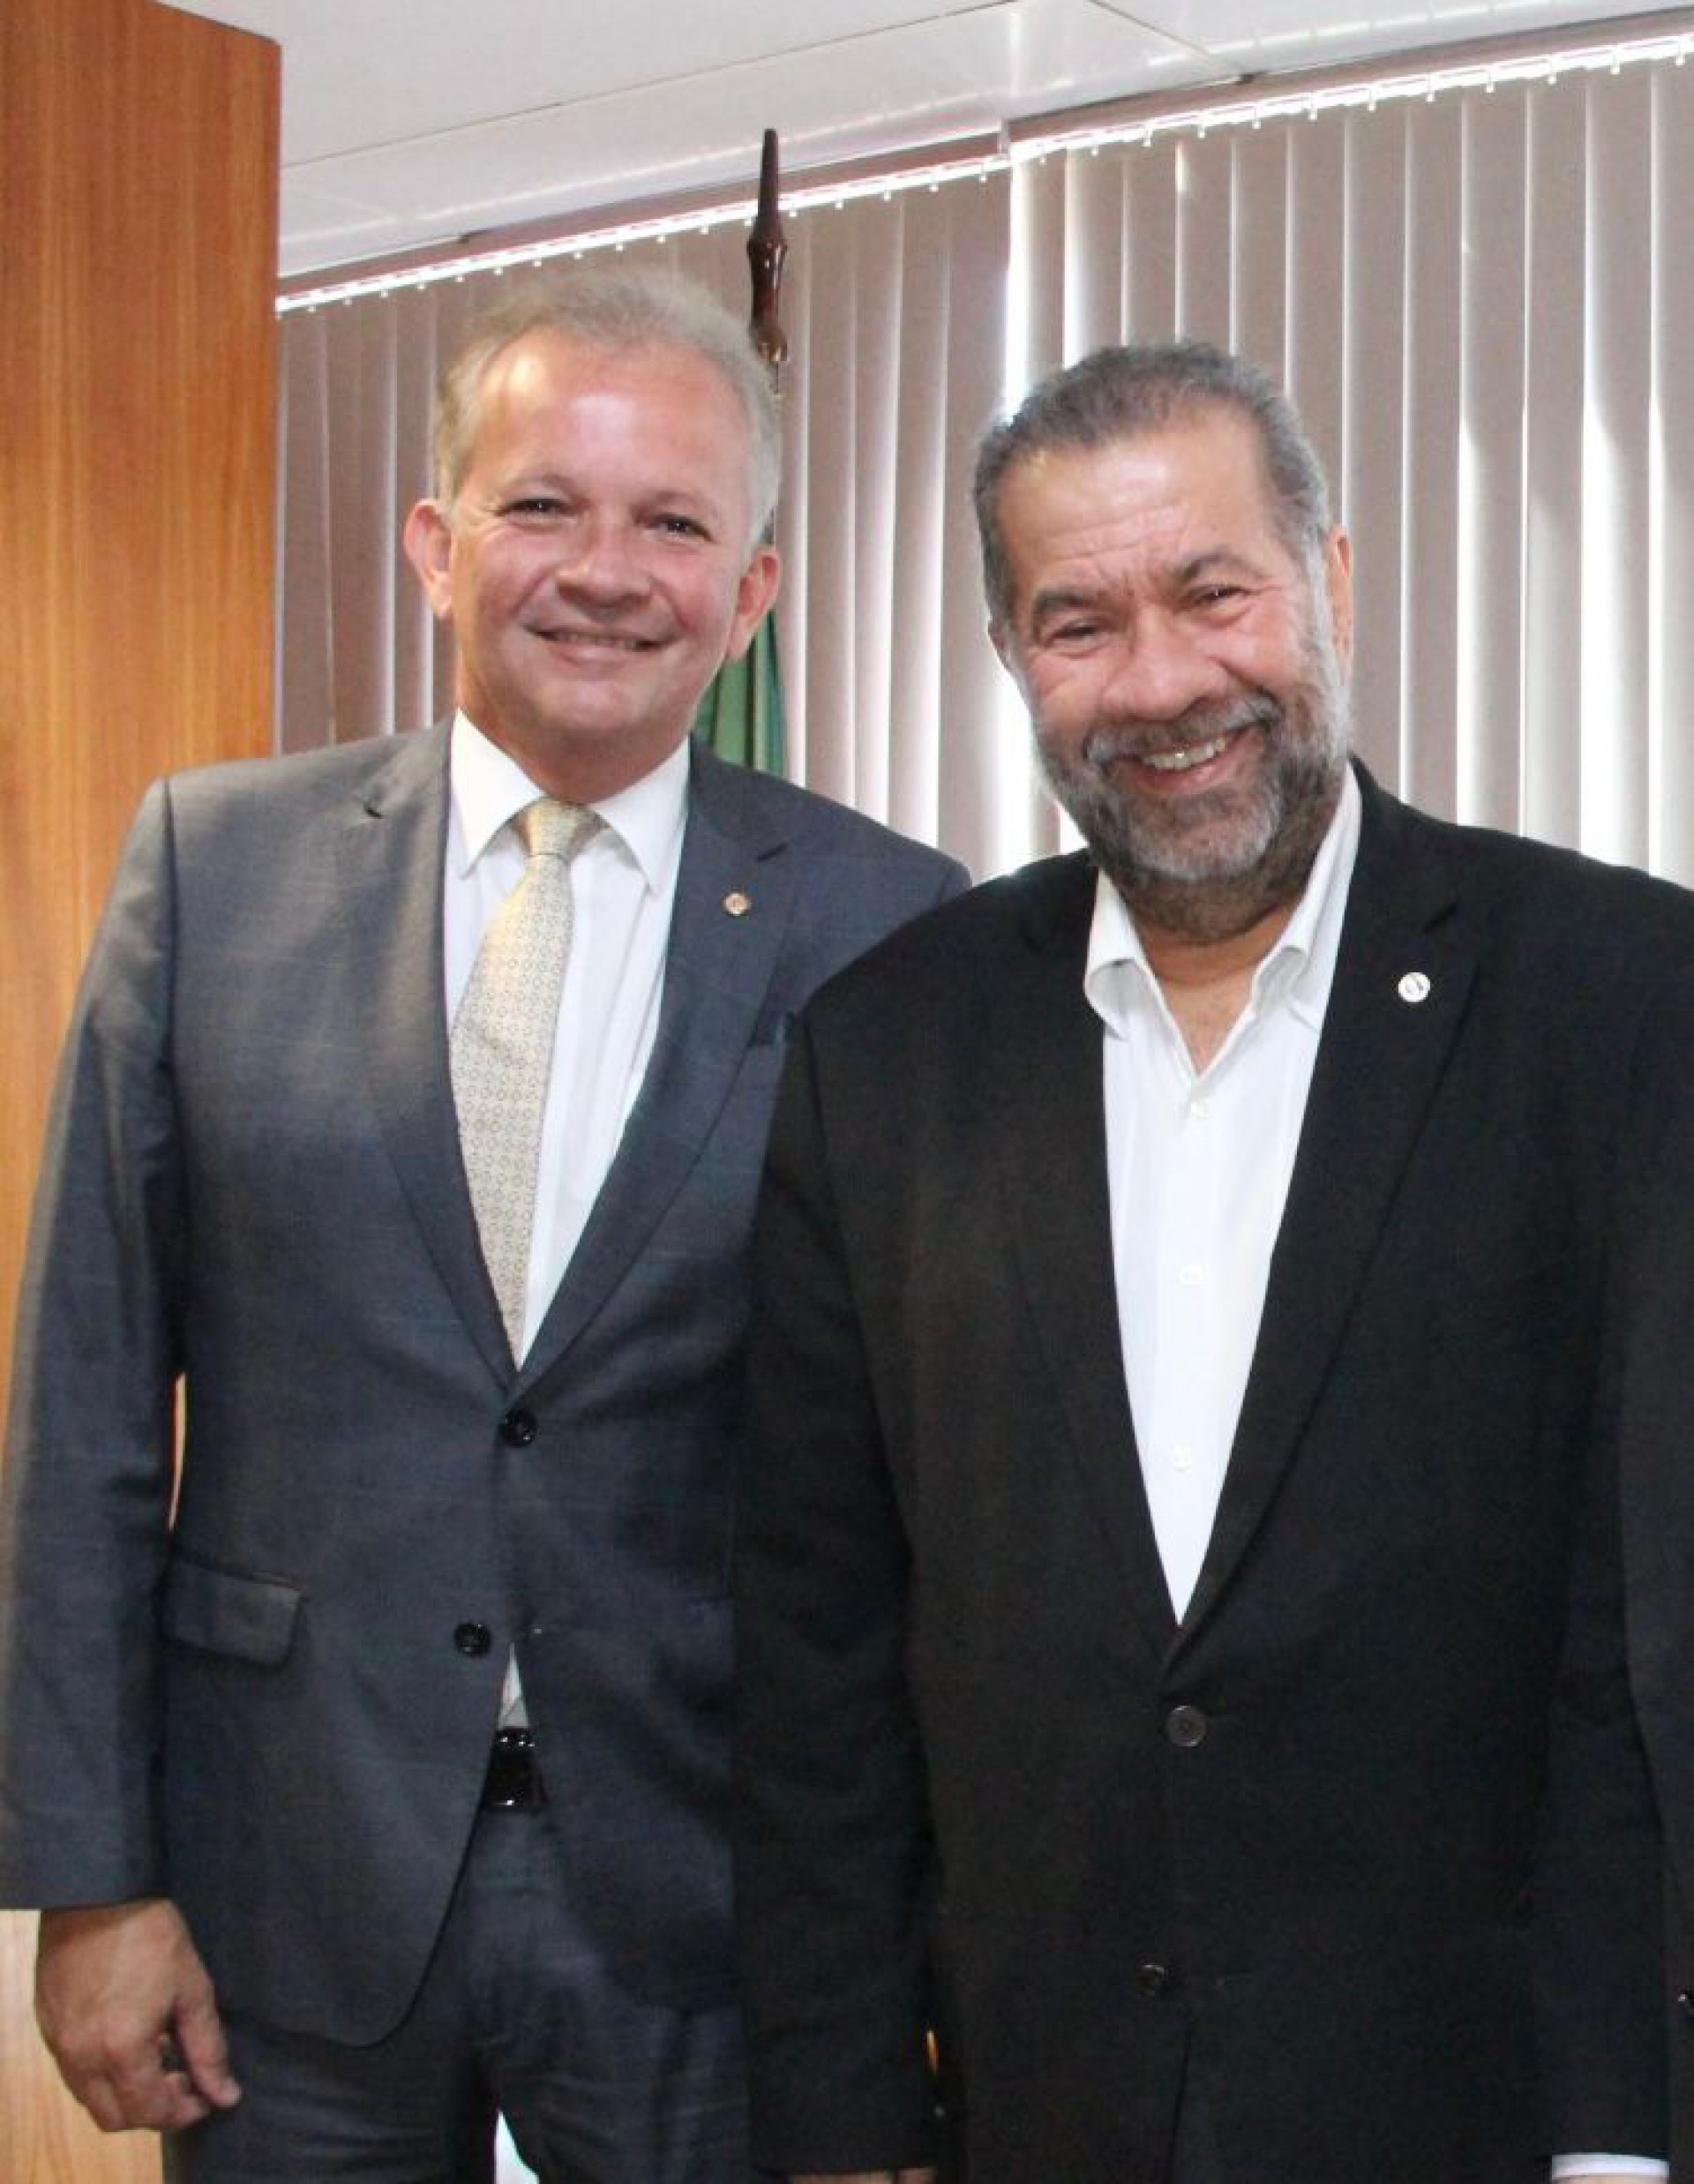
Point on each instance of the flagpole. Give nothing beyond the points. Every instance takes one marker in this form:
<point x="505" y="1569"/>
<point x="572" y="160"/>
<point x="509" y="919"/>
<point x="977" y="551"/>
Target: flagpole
<point x="766" y="248"/>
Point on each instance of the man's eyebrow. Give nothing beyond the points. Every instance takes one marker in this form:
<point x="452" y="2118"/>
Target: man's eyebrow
<point x="1214" y="560"/>
<point x="1058" y="599"/>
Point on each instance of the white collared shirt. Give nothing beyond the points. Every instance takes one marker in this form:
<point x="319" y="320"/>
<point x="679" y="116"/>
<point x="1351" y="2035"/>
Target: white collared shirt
<point x="1197" y="1168"/>
<point x="623" y="892"/>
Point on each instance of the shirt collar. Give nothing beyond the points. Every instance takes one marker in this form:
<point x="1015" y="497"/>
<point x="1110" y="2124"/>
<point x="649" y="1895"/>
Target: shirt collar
<point x="1301" y="968"/>
<point x="488" y="789"/>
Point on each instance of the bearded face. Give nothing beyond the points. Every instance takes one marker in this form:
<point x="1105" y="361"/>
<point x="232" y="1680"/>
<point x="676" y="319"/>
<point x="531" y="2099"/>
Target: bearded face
<point x="1212" y="859"/>
<point x="1184" y="670"/>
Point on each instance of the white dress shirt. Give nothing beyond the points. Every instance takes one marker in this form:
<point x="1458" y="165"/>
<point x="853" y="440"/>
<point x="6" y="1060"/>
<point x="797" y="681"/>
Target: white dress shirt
<point x="623" y="890"/>
<point x="1197" y="1170"/>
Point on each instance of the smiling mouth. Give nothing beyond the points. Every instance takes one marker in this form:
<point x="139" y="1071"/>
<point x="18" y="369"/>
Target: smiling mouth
<point x="1179" y="762"/>
<point x="1180" y="747"/>
<point x="596" y="640"/>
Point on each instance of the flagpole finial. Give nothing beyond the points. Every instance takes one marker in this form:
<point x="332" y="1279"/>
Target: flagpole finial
<point x="766" y="248"/>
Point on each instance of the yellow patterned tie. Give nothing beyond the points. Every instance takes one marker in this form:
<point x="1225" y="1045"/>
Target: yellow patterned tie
<point x="502" y="1047"/>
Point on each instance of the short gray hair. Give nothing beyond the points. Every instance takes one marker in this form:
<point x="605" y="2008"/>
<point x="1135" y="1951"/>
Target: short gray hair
<point x="617" y="311"/>
<point x="1120" y="393"/>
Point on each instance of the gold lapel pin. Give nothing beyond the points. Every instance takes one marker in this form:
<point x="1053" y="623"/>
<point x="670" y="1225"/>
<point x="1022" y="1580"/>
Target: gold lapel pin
<point x="737" y="903"/>
<point x="1414" y="987"/>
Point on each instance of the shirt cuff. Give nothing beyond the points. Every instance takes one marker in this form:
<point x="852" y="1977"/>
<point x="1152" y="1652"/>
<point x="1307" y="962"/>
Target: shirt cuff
<point x="1605" y="2165"/>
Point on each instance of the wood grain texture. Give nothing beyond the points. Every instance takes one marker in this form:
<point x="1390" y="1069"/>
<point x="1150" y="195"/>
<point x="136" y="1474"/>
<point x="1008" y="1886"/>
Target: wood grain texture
<point x="45" y="2138"/>
<point x="137" y="346"/>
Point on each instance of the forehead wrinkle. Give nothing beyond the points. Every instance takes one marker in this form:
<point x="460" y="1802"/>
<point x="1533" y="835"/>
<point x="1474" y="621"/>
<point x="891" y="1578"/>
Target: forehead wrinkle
<point x="1063" y="596"/>
<point x="1141" y="499"/>
<point x="543" y="395"/>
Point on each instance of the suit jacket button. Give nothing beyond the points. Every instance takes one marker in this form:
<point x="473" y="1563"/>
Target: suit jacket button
<point x="518" y="1428"/>
<point x="1153" y="1979"/>
<point x="473" y="1638"/>
<point x="1686" y="2002"/>
<point x="1186" y="1727"/>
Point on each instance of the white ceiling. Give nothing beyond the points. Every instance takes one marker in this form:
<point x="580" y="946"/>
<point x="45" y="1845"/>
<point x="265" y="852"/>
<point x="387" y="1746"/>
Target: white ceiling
<point x="413" y="122"/>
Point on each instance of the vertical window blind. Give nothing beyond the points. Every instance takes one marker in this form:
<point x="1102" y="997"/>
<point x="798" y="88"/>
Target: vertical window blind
<point x="1482" y="301"/>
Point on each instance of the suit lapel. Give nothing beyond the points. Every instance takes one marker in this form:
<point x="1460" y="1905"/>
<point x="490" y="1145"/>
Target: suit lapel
<point x="392" y="850"/>
<point x="1379" y="1062"/>
<point x="1048" y="1085"/>
<point x="719" y="964"/>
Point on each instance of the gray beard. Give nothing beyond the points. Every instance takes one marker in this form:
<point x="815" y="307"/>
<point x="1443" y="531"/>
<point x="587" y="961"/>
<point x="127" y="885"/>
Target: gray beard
<point x="1194" y="894"/>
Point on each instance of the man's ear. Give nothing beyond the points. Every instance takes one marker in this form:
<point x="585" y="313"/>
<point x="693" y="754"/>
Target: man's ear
<point x="428" y="540"/>
<point x="1337" y="570"/>
<point x="753" y="597"/>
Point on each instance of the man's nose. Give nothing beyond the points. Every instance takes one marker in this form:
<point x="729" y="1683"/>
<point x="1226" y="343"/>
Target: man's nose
<point x="1160" y="670"/>
<point x="603" y="562"/>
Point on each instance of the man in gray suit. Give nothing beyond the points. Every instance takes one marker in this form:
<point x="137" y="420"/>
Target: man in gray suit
<point x="372" y="1773"/>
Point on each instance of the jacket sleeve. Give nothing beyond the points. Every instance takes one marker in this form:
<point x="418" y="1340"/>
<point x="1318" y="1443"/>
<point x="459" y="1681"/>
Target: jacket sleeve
<point x="833" y="1849"/>
<point x="85" y="1494"/>
<point x="1600" y="1896"/>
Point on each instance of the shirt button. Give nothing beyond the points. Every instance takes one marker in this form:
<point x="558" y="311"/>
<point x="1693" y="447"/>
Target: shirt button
<point x="1181" y="1456"/>
<point x="518" y="1428"/>
<point x="1192" y="1275"/>
<point x="1199" y="1108"/>
<point x="1153" y="1979"/>
<point x="1186" y="1727"/>
<point x="473" y="1638"/>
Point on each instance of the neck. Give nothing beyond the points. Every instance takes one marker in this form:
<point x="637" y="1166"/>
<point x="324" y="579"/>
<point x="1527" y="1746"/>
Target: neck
<point x="1179" y="960"/>
<point x="1206" y="983"/>
<point x="579" y="769"/>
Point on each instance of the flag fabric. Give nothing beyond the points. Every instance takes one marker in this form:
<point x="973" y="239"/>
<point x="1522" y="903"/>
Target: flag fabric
<point x="741" y="716"/>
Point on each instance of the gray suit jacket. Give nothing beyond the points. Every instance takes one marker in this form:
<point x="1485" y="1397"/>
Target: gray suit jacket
<point x="278" y="1708"/>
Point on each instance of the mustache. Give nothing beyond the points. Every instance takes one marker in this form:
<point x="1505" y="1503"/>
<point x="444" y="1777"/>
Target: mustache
<point x="1199" y="723"/>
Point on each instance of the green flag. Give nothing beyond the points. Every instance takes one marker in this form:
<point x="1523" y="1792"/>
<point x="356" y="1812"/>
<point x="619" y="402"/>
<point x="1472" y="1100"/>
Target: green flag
<point x="741" y="716"/>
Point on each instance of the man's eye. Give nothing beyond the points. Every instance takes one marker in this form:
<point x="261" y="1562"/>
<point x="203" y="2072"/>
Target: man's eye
<point x="539" y="504"/>
<point x="680" y="526"/>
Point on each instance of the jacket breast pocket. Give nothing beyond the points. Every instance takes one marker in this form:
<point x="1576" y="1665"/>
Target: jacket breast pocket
<point x="227" y="1611"/>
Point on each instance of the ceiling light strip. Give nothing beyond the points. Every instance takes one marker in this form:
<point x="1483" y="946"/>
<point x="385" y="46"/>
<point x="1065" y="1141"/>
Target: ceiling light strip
<point x="1308" y="102"/>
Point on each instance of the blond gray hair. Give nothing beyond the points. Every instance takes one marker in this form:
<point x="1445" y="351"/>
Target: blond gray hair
<point x="617" y="311"/>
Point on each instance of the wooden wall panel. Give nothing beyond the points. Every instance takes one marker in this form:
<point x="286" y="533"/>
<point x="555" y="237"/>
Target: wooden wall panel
<point x="138" y="225"/>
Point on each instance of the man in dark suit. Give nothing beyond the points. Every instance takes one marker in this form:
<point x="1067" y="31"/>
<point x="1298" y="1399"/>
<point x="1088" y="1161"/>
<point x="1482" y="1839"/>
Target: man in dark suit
<point x="1179" y="1632"/>
<point x="395" y="1755"/>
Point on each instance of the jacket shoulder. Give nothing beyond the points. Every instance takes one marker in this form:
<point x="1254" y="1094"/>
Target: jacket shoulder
<point x="303" y="778"/>
<point x="750" y="802"/>
<point x="961" y="953"/>
<point x="1569" y="898"/>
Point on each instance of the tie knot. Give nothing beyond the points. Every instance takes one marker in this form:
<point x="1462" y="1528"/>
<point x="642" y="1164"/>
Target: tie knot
<point x="549" y="829"/>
